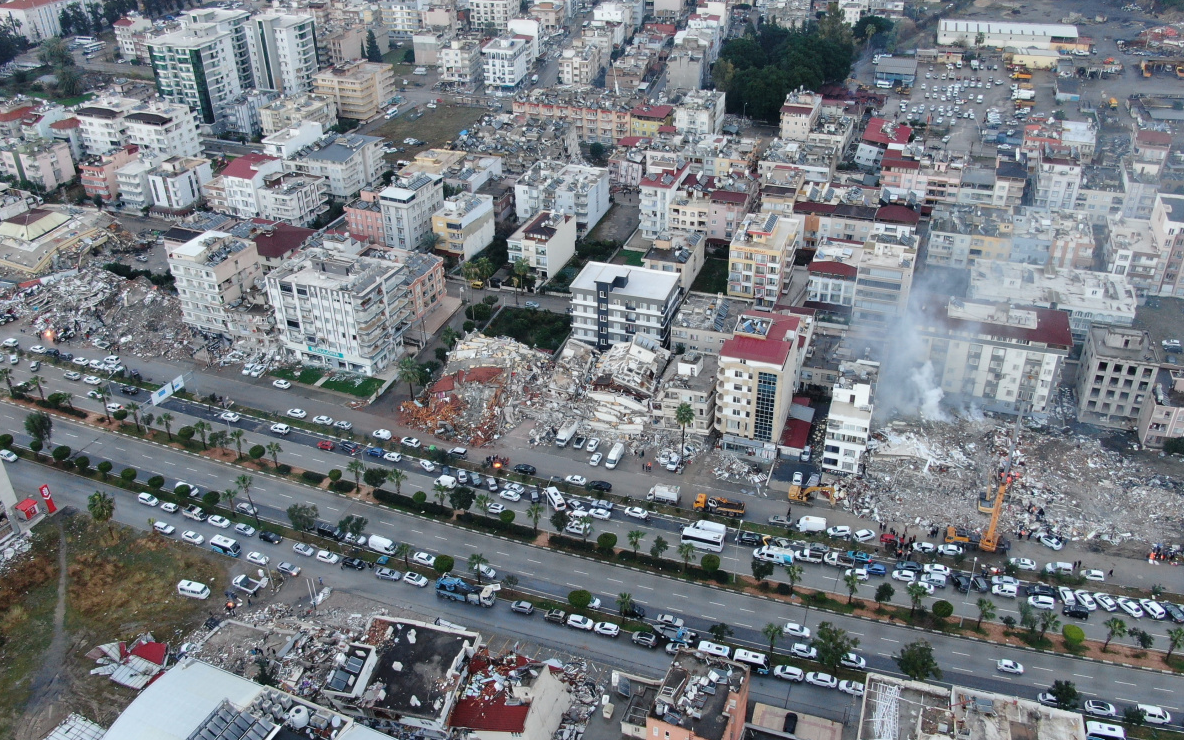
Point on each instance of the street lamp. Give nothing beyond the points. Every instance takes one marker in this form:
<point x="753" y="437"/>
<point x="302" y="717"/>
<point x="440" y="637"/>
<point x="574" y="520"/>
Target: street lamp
<point x="966" y="601"/>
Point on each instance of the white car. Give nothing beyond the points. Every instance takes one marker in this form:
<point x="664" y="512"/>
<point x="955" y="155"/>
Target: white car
<point x="789" y="673"/>
<point x="1130" y="606"/>
<point x="839" y="532"/>
<point x="863" y="535"/>
<point x="325" y="556"/>
<point x="92" y="380"/>
<point x="81" y="362"/>
<point x="608" y="629"/>
<point x="220" y="522"/>
<point x="297" y="413"/>
<point x="924" y="547"/>
<point x="1086" y="599"/>
<point x="595" y="459"/>
<point x="486" y="572"/>
<point x="304" y="549"/>
<point x="71" y="375"/>
<point x="229" y="416"/>
<point x="383" y="434"/>
<point x="938" y="568"/>
<point x="636" y="512"/>
<point x="926" y="585"/>
<point x="113" y="407"/>
<point x="824" y="680"/>
<point x="1052" y="542"/>
<point x="1153" y="608"/>
<point x="907" y="576"/>
<point x="280" y="429"/>
<point x="258" y="558"/>
<point x="575" y="480"/>
<point x="854" y="688"/>
<point x="146" y="498"/>
<point x="949" y="550"/>
<point x="803" y="651"/>
<point x="1006" y="590"/>
<point x="343" y="425"/>
<point x="592" y="444"/>
<point x="1155" y="715"/>
<point x="1066" y="595"/>
<point x="1106" y="601"/>
<point x="1023" y="563"/>
<point x="246" y="530"/>
<point x="409" y="442"/>
<point x="322" y="419"/>
<point x="860" y="573"/>
<point x="599" y="513"/>
<point x="283" y="385"/>
<point x="509" y="495"/>
<point x="415" y="579"/>
<point x="424" y="558"/>
<point x="579" y="622"/>
<point x="428" y="465"/>
<point x="192" y="537"/>
<point x="1009" y="666"/>
<point x="8" y="456"/>
<point x="1044" y="603"/>
<point x="495" y="508"/>
<point x="169" y="508"/>
<point x="392" y="457"/>
<point x="853" y="661"/>
<point x="1093" y="574"/>
<point x="164" y="528"/>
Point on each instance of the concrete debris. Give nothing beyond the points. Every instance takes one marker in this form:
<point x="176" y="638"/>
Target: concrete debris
<point x="132" y="664"/>
<point x="729" y="467"/>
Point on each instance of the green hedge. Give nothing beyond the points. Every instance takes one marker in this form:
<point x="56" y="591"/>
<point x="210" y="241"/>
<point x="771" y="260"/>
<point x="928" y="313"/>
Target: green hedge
<point x="494" y="524"/>
<point x="406" y="503"/>
<point x="313" y="476"/>
<point x="343" y="486"/>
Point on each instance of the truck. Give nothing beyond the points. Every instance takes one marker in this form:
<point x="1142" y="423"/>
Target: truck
<point x="812" y="524"/>
<point x="614" y="456"/>
<point x="455" y="588"/>
<point x="381" y="545"/>
<point x="565" y="433"/>
<point x="248" y="585"/>
<point x="1022" y="94"/>
<point x="194" y="512"/>
<point x="664" y="494"/>
<point x="719" y="505"/>
<point x="974" y="64"/>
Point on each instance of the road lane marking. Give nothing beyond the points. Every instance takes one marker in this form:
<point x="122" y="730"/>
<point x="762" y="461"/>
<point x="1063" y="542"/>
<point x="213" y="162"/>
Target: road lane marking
<point x="417" y="531"/>
<point x="885" y="655"/>
<point x="580" y="572"/>
<point x="679" y="596"/>
<point x="68" y="434"/>
<point x="503" y="554"/>
<point x="191" y="470"/>
<point x="860" y="634"/>
<point x="1079" y="675"/>
<point x="1167" y="690"/>
<point x="741" y="624"/>
<point x="889" y="639"/>
<point x="1124" y="683"/>
<point x="1042" y="669"/>
<point x="285" y="495"/>
<point x="716" y="603"/>
<point x="534" y="561"/>
<point x="647" y="588"/>
<point x="747" y="610"/>
<point x="960" y="668"/>
<point x="613" y="580"/>
<point x="440" y="538"/>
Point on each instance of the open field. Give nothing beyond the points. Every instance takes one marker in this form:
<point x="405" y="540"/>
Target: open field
<point x="436" y="127"/>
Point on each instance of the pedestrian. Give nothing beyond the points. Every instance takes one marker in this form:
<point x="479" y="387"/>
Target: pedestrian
<point x="320" y="582"/>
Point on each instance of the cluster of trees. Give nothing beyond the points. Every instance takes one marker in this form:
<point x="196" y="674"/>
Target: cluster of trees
<point x="373" y="54"/>
<point x="78" y="19"/>
<point x="12" y="43"/>
<point x="758" y="71"/>
<point x="56" y="54"/>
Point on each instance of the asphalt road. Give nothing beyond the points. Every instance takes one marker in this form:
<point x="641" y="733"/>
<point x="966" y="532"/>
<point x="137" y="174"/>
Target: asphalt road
<point x="964" y="662"/>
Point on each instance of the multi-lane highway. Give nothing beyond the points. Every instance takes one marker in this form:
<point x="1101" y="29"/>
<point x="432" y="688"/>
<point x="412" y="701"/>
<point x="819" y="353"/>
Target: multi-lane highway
<point x="967" y="662"/>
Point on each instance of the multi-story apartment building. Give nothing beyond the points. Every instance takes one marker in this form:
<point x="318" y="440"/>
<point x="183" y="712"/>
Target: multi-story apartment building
<point x="127" y="34"/>
<point x="132" y="181"/>
<point x="495" y="14"/>
<point x="459" y="62"/>
<point x="175" y="184"/>
<point x="761" y="255"/>
<point x="1162" y="415"/>
<point x="464" y="225"/>
<point x="613" y="303"/>
<point x="580" y="65"/>
<point x="960" y="236"/>
<point x="295" y="198"/>
<point x="46" y="164"/>
<point x="799" y="113"/>
<point x="102" y="124"/>
<point x="349" y="163"/>
<point x="341" y="311"/>
<point x="681" y="252"/>
<point x="163" y="130"/>
<point x="403" y="17"/>
<point x="546" y="243"/>
<point x="339" y="45"/>
<point x="582" y="192"/>
<point x="1149" y="151"/>
<point x="360" y="89"/>
<point x="657" y="191"/>
<point x="286" y="52"/>
<point x="36" y="20"/>
<point x="244" y="45"/>
<point x="1004" y="358"/>
<point x="597" y="116"/>
<point x="97" y="173"/>
<point x="645" y="120"/>
<point x="407" y="208"/>
<point x="757" y="377"/>
<point x="293" y="110"/>
<point x="701" y="112"/>
<point x="1117" y="374"/>
<point x="235" y="191"/>
<point x="868" y="284"/>
<point x="848" y="423"/>
<point x="689" y="379"/>
<point x="1131" y="251"/>
<point x="213" y="271"/>
<point x="198" y="66"/>
<point x="1057" y="182"/>
<point x="1167" y="232"/>
<point x="363" y="217"/>
<point x="505" y="61"/>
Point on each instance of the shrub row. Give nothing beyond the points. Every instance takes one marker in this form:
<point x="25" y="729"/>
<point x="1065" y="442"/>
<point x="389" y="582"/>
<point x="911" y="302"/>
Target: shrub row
<point x="493" y="524"/>
<point x="406" y="503"/>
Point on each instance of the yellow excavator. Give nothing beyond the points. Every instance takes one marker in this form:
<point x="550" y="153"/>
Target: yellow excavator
<point x="805" y="496"/>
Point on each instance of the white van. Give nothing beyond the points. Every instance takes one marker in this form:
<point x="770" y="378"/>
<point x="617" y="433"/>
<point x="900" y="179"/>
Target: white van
<point x="1155" y="715"/>
<point x="447" y="481"/>
<point x="193" y="590"/>
<point x="1062" y="568"/>
<point x="381" y="545"/>
<point x="712" y="648"/>
<point x="555" y="499"/>
<point x="812" y="524"/>
<point x="884" y="84"/>
<point x="758" y="661"/>
<point x="1104" y="731"/>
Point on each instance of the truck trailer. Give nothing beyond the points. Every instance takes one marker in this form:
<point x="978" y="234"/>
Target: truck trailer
<point x="664" y="494"/>
<point x="452" y="587"/>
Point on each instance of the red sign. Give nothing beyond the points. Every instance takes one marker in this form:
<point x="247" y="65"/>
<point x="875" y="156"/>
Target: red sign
<point x="49" y="505"/>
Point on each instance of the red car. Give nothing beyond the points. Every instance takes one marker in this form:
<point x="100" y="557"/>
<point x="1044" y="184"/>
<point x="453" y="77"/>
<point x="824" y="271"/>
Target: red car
<point x="325" y="444"/>
<point x="888" y="539"/>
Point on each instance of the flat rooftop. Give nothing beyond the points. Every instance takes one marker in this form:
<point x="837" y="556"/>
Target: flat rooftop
<point x="695" y="694"/>
<point x="417" y="664"/>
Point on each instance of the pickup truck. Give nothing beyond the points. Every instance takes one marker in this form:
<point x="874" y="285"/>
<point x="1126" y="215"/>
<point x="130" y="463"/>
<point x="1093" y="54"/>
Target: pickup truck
<point x="248" y="585"/>
<point x="194" y="512"/>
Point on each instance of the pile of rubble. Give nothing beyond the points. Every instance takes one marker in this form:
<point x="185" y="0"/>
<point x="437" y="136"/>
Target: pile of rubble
<point x="133" y="316"/>
<point x="729" y="467"/>
<point x="933" y="474"/>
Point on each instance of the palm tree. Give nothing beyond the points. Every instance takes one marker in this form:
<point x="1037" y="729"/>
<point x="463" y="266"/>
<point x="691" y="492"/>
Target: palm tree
<point x="134" y="409"/>
<point x="521" y="270"/>
<point x="476" y="560"/>
<point x="684" y="415"/>
<point x="201" y="427"/>
<point x="1115" y="627"/>
<point x="1048" y="621"/>
<point x="397" y="477"/>
<point x="686" y="551"/>
<point x="228" y="496"/>
<point x="101" y="507"/>
<point x="441" y="493"/>
<point x="635" y="537"/>
<point x="68" y="398"/>
<point x="917" y="594"/>
<point x="274" y="449"/>
<point x="6" y="373"/>
<point x="793" y="574"/>
<point x="1175" y="640"/>
<point x="986" y="610"/>
<point x="103" y="396"/>
<point x="37" y="380"/>
<point x="244" y="482"/>
<point x="624" y="601"/>
<point x="238" y="435"/>
<point x="482" y="502"/>
<point x="166" y="421"/>
<point x="403" y="550"/>
<point x="772" y="632"/>
<point x="449" y="337"/>
<point x="534" y="512"/>
<point x="852" y="582"/>
<point x="356" y="467"/>
<point x="409" y="373"/>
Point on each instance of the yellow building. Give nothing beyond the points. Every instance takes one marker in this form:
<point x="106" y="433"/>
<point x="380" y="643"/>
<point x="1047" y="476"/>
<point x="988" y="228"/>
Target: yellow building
<point x="645" y="120"/>
<point x="360" y="89"/>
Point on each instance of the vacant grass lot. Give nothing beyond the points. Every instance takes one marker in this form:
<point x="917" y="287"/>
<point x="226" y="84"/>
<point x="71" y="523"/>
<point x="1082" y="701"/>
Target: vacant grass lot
<point x="435" y="127"/>
<point x="306" y="375"/>
<point x="713" y="278"/>
<point x="355" y="385"/>
<point x="540" y="329"/>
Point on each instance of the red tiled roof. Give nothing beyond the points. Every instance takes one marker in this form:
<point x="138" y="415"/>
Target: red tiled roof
<point x="656" y="181"/>
<point x="628" y="141"/>
<point x="898" y="215"/>
<point x="838" y="269"/>
<point x="655" y="112"/>
<point x="123" y="22"/>
<point x="876" y="134"/>
<point x="16" y="113"/>
<point x="492" y="715"/>
<point x="805" y="206"/>
<point x="25" y="4"/>
<point x="283" y="239"/>
<point x="65" y="123"/>
<point x="243" y="167"/>
<point x="1052" y="325"/>
<point x="801" y="110"/>
<point x="900" y="164"/>
<point x="729" y="196"/>
<point x="667" y="129"/>
<point x="1153" y="138"/>
<point x="803" y="401"/>
<point x="772" y="349"/>
<point x="796" y="434"/>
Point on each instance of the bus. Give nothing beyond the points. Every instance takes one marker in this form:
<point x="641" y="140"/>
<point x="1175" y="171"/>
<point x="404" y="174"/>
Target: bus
<point x="94" y="47"/>
<point x="709" y="538"/>
<point x="1103" y="731"/>
<point x="225" y="546"/>
<point x="759" y="662"/>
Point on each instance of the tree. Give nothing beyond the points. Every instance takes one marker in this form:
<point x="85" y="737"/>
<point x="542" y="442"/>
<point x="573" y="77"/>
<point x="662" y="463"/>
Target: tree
<point x="635" y="536"/>
<point x="509" y="583"/>
<point x="521" y="272"/>
<point x="444" y="564"/>
<point x="851" y="580"/>
<point x="884" y="593"/>
<point x="772" y="633"/>
<point x="409" y="373"/>
<point x="102" y="507"/>
<point x="596" y="152"/>
<point x="942" y="609"/>
<point x="201" y="428"/>
<point x="54" y="52"/>
<point x="534" y="512"/>
<point x="560" y="520"/>
<point x="403" y="550"/>
<point x="917" y="594"/>
<point x="686" y="551"/>
<point x="1028" y="618"/>
<point x="684" y="415"/>
<point x="103" y="395"/>
<point x="476" y="560"/>
<point x="1115" y="627"/>
<point x="274" y="449"/>
<point x="440" y="491"/>
<point x="1142" y="637"/>
<point x="1134" y="716"/>
<point x="39" y="426"/>
<point x="166" y="421"/>
<point x="104" y="468"/>
<point x="451" y="336"/>
<point x="482" y="501"/>
<point x="237" y="437"/>
<point x="461" y="498"/>
<point x="916" y="661"/>
<point x="793" y="574"/>
<point x="709" y="563"/>
<point x="69" y="80"/>
<point x="38" y="382"/>
<point x="1049" y="621"/>
<point x="375" y="477"/>
<point x="6" y="374"/>
<point x="659" y="547"/>
<point x="832" y="644"/>
<point x="228" y="496"/>
<point x="579" y="598"/>
<point x="624" y="602"/>
<point x="372" y="52"/>
<point x="303" y="517"/>
<point x="1073" y="635"/>
<point x="986" y="610"/>
<point x="356" y="468"/>
<point x="1175" y="640"/>
<point x="256" y="452"/>
<point x="397" y="477"/>
<point x="720" y="631"/>
<point x="244" y="483"/>
<point x="606" y="542"/>
<point x="134" y="409"/>
<point x="1065" y="694"/>
<point x="761" y="570"/>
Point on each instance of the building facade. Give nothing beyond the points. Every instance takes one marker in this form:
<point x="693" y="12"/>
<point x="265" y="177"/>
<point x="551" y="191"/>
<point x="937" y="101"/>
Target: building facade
<point x="360" y="89"/>
<point x="613" y="303"/>
<point x="464" y="225"/>
<point x="546" y="243"/>
<point x="407" y="208"/>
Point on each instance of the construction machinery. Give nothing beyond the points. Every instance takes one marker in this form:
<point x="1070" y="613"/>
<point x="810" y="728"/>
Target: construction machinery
<point x="805" y="496"/>
<point x="719" y="506"/>
<point x="451" y="587"/>
<point x="991" y="541"/>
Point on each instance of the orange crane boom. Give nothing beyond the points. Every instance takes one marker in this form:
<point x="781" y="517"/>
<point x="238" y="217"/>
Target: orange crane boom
<point x="990" y="540"/>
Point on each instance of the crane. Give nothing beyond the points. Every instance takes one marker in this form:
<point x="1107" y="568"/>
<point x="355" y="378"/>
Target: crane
<point x="990" y="541"/>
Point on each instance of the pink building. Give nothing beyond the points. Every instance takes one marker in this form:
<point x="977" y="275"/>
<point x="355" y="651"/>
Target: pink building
<point x="726" y="211"/>
<point x="364" y="218"/>
<point x="98" y="173"/>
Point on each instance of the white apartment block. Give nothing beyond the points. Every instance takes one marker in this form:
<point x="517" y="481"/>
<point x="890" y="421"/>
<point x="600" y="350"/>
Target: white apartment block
<point x="36" y="20"/>
<point x="339" y="311"/>
<point x="288" y="142"/>
<point x="163" y="130"/>
<point x="349" y="163"/>
<point x="761" y="256"/>
<point x="799" y="113"/>
<point x="102" y="124"/>
<point x="701" y="112"/>
<point x="292" y="110"/>
<point x="464" y="225"/>
<point x="236" y="190"/>
<point x="571" y="189"/>
<point x="295" y="198"/>
<point x="491" y="13"/>
<point x="580" y="65"/>
<point x="197" y="67"/>
<point x="127" y="33"/>
<point x="407" y="208"/>
<point x="1057" y="183"/>
<point x="175" y="184"/>
<point x="403" y="17"/>
<point x="656" y="193"/>
<point x="460" y="62"/>
<point x="132" y="180"/>
<point x="286" y="52"/>
<point x="505" y="62"/>
<point x="547" y="243"/>
<point x="1167" y="232"/>
<point x="689" y="378"/>
<point x="614" y="303"/>
<point x="848" y="425"/>
<point x="212" y="272"/>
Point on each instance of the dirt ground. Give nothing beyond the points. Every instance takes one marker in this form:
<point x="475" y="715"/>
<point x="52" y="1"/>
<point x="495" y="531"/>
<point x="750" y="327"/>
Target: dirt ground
<point x="435" y="127"/>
